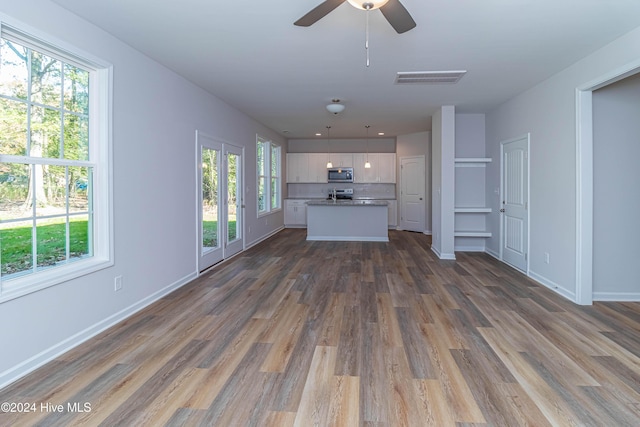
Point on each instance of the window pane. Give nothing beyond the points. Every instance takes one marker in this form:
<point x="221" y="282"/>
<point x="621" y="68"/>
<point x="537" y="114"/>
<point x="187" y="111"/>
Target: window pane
<point x="275" y="164"/>
<point x="76" y="89"/>
<point x="15" y="247"/>
<point x="51" y="241"/>
<point x="45" y="132"/>
<point x="79" y="242"/>
<point x="261" y="195"/>
<point x="76" y="137"/>
<point x="261" y="159"/>
<point x="13" y="127"/>
<point x="13" y="68"/>
<point x="275" y="193"/>
<point x="14" y="190"/>
<point x="46" y="79"/>
<point x="55" y="189"/>
<point x="78" y="185"/>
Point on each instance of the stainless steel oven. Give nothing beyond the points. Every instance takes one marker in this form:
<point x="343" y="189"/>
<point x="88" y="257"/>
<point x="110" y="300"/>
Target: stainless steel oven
<point x="340" y="175"/>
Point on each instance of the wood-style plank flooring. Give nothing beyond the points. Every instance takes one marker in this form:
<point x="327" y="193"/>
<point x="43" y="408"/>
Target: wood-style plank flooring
<point x="296" y="333"/>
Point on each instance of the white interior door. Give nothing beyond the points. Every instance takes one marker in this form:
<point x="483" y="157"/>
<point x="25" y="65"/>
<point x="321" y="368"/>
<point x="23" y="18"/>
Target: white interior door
<point x="412" y="204"/>
<point x="515" y="202"/>
<point x="234" y="203"/>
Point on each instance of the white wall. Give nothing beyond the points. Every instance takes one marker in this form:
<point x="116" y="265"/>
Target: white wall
<point x="155" y="116"/>
<point x="418" y="144"/>
<point x="443" y="181"/>
<point x="548" y="111"/>
<point x="353" y="145"/>
<point x="616" y="197"/>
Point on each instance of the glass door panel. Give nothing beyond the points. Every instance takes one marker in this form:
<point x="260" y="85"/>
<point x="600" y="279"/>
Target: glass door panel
<point x="234" y="243"/>
<point x="210" y="238"/>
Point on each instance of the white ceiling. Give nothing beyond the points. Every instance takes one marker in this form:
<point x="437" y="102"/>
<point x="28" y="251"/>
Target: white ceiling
<point x="250" y="54"/>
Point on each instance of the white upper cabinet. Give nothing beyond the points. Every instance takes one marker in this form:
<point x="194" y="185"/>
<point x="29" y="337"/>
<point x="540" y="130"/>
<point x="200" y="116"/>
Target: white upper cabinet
<point x="306" y="167"/>
<point x="297" y="167"/>
<point x="317" y="167"/>
<point x="382" y="170"/>
<point x="341" y="160"/>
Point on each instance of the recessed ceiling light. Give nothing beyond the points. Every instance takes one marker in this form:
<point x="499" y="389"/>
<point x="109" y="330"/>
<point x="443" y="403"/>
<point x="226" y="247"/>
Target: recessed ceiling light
<point x="285" y="131"/>
<point x="318" y="134"/>
<point x="380" y="133"/>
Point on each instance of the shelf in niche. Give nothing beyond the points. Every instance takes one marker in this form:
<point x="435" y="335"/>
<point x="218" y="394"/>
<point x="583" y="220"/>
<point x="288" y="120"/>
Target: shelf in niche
<point x="472" y="234"/>
<point x="473" y="160"/>
<point x="472" y="210"/>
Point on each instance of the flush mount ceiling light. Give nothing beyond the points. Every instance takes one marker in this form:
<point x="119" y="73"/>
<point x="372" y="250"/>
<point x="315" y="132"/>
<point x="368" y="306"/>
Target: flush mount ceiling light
<point x="335" y="107"/>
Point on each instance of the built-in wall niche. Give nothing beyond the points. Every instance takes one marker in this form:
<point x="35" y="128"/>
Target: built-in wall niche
<point x="470" y="204"/>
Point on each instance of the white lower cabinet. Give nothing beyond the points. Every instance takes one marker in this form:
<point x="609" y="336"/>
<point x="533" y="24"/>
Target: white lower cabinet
<point x="295" y="213"/>
<point x="393" y="213"/>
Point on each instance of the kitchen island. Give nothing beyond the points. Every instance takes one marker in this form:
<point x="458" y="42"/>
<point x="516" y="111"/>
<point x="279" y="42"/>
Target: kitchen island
<point x="347" y="220"/>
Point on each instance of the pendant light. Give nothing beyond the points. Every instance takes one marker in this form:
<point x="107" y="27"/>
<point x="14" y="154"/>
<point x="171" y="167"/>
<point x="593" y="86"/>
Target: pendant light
<point x="367" y="165"/>
<point x="329" y="164"/>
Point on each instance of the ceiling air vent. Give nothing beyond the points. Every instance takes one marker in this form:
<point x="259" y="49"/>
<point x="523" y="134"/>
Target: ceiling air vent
<point x="429" y="77"/>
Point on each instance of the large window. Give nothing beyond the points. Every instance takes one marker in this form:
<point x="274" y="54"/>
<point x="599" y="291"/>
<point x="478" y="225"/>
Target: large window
<point x="54" y="176"/>
<point x="269" y="176"/>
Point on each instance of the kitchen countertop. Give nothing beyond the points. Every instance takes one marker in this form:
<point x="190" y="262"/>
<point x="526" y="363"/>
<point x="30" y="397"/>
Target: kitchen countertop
<point x="348" y="203"/>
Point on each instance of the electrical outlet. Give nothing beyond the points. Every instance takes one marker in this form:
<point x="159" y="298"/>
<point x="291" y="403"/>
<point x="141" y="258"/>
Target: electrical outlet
<point x="546" y="257"/>
<point x="117" y="283"/>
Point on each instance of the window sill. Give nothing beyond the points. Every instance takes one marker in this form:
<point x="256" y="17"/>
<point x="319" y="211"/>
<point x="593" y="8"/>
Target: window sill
<point x="30" y="283"/>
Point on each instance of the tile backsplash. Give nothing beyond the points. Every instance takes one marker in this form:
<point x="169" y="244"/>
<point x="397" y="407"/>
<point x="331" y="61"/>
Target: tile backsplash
<point x="360" y="191"/>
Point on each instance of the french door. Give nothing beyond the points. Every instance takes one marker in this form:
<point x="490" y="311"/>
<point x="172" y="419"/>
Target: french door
<point x="220" y="204"/>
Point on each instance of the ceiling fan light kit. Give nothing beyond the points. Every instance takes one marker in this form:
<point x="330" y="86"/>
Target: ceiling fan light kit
<point x="394" y="12"/>
<point x="367" y="4"/>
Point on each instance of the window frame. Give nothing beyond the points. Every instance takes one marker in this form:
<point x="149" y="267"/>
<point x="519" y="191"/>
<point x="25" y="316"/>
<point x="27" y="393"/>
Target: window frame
<point x="100" y="160"/>
<point x="269" y="147"/>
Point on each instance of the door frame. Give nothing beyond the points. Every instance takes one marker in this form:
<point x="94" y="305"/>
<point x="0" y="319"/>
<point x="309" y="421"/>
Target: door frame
<point x="400" y="206"/>
<point x="528" y="200"/>
<point x="584" y="178"/>
<point x="222" y="217"/>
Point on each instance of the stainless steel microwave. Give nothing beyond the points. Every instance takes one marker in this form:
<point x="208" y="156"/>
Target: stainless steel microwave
<point x="340" y="175"/>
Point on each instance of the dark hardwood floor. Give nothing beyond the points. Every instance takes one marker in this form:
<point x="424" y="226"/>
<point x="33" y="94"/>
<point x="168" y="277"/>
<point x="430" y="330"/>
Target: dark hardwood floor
<point x="374" y="334"/>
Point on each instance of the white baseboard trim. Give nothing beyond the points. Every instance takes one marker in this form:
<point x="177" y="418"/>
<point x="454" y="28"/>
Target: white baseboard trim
<point x="468" y="248"/>
<point x="15" y="373"/>
<point x="553" y="286"/>
<point x="263" y="238"/>
<point x="617" y="296"/>
<point x="443" y="256"/>
<point x="427" y="232"/>
<point x="493" y="253"/>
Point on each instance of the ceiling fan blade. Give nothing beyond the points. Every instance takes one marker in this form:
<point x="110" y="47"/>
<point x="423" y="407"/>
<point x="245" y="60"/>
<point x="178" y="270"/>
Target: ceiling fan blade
<point x="398" y="16"/>
<point x="318" y="13"/>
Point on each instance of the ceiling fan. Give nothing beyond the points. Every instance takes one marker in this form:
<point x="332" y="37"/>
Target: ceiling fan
<point x="393" y="10"/>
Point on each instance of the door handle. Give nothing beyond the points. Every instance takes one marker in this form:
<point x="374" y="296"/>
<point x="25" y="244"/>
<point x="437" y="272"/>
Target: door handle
<point x="501" y="210"/>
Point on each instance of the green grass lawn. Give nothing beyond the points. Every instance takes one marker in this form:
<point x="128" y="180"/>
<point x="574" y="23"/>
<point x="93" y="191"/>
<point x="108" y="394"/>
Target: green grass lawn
<point x="16" y="251"/>
<point x="210" y="233"/>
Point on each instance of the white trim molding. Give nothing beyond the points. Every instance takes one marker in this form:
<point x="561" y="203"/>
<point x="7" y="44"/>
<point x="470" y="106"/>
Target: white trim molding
<point x="584" y="179"/>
